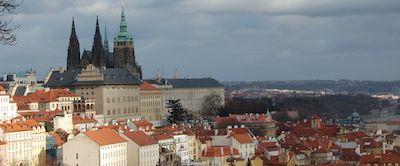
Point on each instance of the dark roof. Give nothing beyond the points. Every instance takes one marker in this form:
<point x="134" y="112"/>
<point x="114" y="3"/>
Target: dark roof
<point x="20" y="91"/>
<point x="111" y="76"/>
<point x="189" y="83"/>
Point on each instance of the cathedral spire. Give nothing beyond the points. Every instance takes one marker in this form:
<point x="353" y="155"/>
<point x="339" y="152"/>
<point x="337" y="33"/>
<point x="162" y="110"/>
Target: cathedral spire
<point x="98" y="59"/>
<point x="106" y="47"/>
<point x="73" y="58"/>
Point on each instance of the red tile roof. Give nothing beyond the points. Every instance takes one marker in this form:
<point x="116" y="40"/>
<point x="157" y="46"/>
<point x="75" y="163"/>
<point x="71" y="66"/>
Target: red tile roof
<point x="57" y="139"/>
<point x="243" y="138"/>
<point x="219" y="151"/>
<point x="79" y="120"/>
<point x="243" y="118"/>
<point x="104" y="136"/>
<point x="2" y="142"/>
<point x="140" y="138"/>
<point x="43" y="96"/>
<point x="380" y="159"/>
<point x="147" y="86"/>
<point x="19" y="126"/>
<point x="162" y="137"/>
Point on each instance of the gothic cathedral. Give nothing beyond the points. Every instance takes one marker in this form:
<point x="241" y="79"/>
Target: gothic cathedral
<point x="100" y="56"/>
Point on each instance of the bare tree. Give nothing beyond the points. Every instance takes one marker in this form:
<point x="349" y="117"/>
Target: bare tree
<point x="212" y="104"/>
<point x="7" y="7"/>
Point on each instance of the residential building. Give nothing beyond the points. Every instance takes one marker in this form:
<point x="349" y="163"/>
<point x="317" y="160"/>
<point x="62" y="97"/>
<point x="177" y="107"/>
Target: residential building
<point x="167" y="149"/>
<point x="26" y="142"/>
<point x="98" y="147"/>
<point x="3" y="153"/>
<point x="64" y="122"/>
<point x="47" y="100"/>
<point x="8" y="108"/>
<point x="219" y="155"/>
<point x="182" y="148"/>
<point x="143" y="150"/>
<point x="115" y="91"/>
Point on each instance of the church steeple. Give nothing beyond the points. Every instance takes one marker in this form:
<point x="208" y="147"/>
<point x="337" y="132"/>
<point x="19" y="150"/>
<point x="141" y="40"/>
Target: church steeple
<point x="106" y="47"/>
<point x="73" y="59"/>
<point x="98" y="59"/>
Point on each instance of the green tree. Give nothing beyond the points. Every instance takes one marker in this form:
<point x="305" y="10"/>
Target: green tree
<point x="7" y="7"/>
<point x="178" y="114"/>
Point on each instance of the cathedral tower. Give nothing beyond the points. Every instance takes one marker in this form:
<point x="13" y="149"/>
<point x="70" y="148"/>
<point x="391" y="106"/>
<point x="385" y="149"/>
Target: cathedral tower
<point x="98" y="58"/>
<point x="124" y="52"/>
<point x="74" y="57"/>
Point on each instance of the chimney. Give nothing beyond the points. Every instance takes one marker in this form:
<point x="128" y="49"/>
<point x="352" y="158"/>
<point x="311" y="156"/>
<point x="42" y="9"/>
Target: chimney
<point x="216" y="132"/>
<point x="236" y="126"/>
<point x="222" y="151"/>
<point x="231" y="150"/>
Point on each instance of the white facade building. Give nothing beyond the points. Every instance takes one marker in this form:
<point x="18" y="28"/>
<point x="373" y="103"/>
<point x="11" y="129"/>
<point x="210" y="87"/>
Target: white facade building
<point x="182" y="148"/>
<point x="64" y="122"/>
<point x="143" y="150"/>
<point x="8" y="109"/>
<point x="102" y="147"/>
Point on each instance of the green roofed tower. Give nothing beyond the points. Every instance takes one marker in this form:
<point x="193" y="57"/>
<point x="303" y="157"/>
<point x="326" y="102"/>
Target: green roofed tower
<point x="124" y="51"/>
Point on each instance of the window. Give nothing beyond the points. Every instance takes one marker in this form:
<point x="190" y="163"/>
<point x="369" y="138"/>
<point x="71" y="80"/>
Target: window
<point x="76" y="156"/>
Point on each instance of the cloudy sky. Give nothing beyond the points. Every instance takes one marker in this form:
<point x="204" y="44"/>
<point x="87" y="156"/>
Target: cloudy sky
<point x="225" y="39"/>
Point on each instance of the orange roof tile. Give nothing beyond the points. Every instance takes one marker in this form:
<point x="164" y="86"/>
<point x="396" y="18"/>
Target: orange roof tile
<point x="104" y="136"/>
<point x="162" y="137"/>
<point x="140" y="138"/>
<point x="80" y="120"/>
<point x="147" y="86"/>
<point x="219" y="151"/>
<point x="43" y="96"/>
<point x="17" y="126"/>
<point x="57" y="138"/>
<point x="2" y="142"/>
<point x="243" y="138"/>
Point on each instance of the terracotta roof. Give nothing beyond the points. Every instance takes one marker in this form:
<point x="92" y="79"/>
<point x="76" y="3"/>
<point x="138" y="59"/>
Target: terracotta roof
<point x="140" y="138"/>
<point x="57" y="139"/>
<point x="379" y="159"/>
<point x="243" y="138"/>
<point x="219" y="151"/>
<point x="43" y="96"/>
<point x="2" y="142"/>
<point x="244" y="118"/>
<point x="162" y="137"/>
<point x="79" y="120"/>
<point x="18" y="126"/>
<point x="104" y="136"/>
<point x="147" y="86"/>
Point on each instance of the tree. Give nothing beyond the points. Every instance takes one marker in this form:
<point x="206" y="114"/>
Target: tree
<point x="248" y="162"/>
<point x="7" y="7"/>
<point x="211" y="106"/>
<point x="178" y="114"/>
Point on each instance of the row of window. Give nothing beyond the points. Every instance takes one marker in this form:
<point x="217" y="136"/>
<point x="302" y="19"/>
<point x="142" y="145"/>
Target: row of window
<point x="122" y="99"/>
<point x="128" y="110"/>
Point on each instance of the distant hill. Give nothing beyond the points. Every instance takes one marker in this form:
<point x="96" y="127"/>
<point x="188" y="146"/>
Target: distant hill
<point x="348" y="86"/>
<point x="330" y="106"/>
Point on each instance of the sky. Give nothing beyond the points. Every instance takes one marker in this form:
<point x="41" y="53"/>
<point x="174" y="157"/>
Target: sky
<point x="229" y="40"/>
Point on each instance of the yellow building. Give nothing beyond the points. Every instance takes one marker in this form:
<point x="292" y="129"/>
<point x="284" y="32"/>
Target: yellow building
<point x="151" y="102"/>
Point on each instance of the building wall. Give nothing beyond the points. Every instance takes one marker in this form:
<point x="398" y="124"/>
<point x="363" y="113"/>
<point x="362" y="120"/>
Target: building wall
<point x="114" y="154"/>
<point x="63" y="122"/>
<point x="8" y="109"/>
<point x="245" y="150"/>
<point x="3" y="154"/>
<point x="89" y="155"/>
<point x="19" y="147"/>
<point x="39" y="145"/>
<point x="182" y="148"/>
<point x="151" y="106"/>
<point x="192" y="98"/>
<point x="113" y="101"/>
